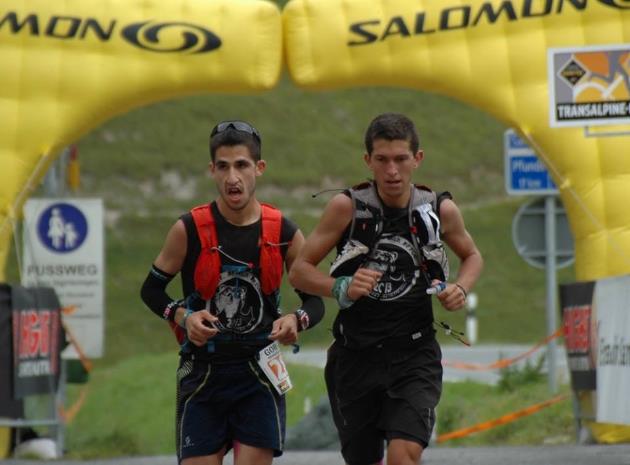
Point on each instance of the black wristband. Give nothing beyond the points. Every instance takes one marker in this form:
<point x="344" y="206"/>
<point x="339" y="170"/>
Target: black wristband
<point x="463" y="290"/>
<point x="171" y="309"/>
<point x="303" y="319"/>
<point x="310" y="312"/>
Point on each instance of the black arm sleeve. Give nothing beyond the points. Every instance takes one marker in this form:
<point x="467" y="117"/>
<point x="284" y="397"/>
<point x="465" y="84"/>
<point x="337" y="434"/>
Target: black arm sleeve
<point x="310" y="312"/>
<point x="153" y="294"/>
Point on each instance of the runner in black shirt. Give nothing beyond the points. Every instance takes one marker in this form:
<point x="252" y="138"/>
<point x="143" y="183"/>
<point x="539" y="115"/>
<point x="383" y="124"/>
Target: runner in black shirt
<point x="384" y="373"/>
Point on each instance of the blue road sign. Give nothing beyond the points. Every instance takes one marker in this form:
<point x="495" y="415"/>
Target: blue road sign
<point x="525" y="174"/>
<point x="62" y="228"/>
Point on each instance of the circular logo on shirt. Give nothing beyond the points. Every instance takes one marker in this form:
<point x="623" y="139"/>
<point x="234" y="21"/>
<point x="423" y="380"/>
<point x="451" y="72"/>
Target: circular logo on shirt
<point x="238" y="302"/>
<point x="62" y="228"/>
<point x="397" y="259"/>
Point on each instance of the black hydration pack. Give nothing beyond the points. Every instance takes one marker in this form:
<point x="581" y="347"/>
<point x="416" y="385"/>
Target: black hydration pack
<point x="368" y="223"/>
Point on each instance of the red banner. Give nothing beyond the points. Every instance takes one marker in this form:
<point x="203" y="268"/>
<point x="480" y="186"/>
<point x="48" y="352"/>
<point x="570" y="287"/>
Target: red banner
<point x="576" y="300"/>
<point x="37" y="338"/>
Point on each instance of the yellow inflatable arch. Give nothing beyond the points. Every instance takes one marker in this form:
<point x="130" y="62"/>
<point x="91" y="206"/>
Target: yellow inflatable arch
<point x="68" y="66"/>
<point x="494" y="56"/>
<point x="524" y="61"/>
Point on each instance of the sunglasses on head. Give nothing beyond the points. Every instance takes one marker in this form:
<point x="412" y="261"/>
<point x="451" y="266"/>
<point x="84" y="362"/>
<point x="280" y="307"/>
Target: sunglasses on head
<point x="241" y="126"/>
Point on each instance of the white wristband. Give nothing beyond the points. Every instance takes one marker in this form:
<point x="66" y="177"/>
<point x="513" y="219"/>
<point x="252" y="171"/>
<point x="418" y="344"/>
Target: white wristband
<point x="340" y="291"/>
<point x="187" y="313"/>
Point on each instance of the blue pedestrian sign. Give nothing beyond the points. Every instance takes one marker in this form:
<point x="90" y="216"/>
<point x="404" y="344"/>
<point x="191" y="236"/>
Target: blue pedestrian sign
<point x="62" y="227"/>
<point x="525" y="174"/>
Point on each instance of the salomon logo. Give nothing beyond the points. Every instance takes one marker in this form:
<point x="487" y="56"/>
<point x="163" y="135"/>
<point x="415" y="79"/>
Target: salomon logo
<point x="161" y="37"/>
<point x="195" y="39"/>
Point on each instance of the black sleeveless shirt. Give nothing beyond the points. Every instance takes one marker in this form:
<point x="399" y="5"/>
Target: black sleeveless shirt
<point x="398" y="306"/>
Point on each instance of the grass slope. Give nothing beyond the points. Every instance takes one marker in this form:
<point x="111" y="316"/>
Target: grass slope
<point x="138" y="396"/>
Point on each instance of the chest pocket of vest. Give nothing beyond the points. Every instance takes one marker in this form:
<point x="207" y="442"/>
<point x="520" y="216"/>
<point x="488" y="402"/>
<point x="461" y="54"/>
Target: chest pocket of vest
<point x="426" y="233"/>
<point x="365" y="229"/>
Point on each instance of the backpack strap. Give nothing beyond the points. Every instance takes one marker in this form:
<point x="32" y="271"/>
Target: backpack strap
<point x="423" y="216"/>
<point x="424" y="223"/>
<point x="367" y="214"/>
<point x="208" y="266"/>
<point x="271" y="262"/>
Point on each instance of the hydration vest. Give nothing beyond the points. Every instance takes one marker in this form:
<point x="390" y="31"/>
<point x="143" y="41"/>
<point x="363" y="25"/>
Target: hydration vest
<point x="368" y="224"/>
<point x="208" y="266"/>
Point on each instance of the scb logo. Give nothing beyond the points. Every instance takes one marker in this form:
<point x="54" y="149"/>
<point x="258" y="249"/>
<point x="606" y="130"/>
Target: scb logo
<point x="62" y="228"/>
<point x="623" y="4"/>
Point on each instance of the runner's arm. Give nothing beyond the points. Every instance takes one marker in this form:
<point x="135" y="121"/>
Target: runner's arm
<point x="168" y="263"/>
<point x="310" y="312"/>
<point x="304" y="274"/>
<point x="462" y="244"/>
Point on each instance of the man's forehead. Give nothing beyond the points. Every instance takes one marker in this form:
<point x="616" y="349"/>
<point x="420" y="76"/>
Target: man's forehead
<point x="388" y="146"/>
<point x="233" y="154"/>
<point x="234" y="159"/>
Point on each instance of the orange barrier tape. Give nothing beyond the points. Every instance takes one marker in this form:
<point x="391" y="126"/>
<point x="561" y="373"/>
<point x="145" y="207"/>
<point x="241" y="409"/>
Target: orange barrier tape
<point x="504" y="362"/>
<point x="501" y="420"/>
<point x="68" y="414"/>
<point x="69" y="310"/>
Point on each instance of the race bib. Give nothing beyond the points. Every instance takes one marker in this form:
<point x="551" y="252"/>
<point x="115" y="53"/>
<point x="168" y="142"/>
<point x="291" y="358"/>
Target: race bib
<point x="271" y="362"/>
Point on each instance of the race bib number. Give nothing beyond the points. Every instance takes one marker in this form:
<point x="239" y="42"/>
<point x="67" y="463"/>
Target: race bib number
<point x="271" y="362"/>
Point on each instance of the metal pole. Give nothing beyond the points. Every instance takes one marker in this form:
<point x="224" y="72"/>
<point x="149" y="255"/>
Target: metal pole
<point x="550" y="268"/>
<point x="55" y="186"/>
<point x="60" y="401"/>
<point x="471" y="318"/>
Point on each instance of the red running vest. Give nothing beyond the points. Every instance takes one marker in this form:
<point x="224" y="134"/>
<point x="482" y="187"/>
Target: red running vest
<point x="208" y="266"/>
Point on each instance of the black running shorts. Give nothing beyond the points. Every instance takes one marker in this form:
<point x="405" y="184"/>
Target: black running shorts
<point x="380" y="394"/>
<point x="221" y="403"/>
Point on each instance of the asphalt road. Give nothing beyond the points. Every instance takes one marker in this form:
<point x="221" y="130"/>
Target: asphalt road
<point x="531" y="455"/>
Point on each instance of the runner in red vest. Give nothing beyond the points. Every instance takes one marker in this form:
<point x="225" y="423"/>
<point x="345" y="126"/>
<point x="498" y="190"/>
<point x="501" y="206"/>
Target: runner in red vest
<point x="231" y="254"/>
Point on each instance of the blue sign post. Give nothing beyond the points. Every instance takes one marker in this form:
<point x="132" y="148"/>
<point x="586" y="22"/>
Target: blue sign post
<point x="525" y="174"/>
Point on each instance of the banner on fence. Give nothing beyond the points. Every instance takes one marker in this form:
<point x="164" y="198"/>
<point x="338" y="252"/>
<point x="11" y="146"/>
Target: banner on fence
<point x="37" y="339"/>
<point x="576" y="301"/>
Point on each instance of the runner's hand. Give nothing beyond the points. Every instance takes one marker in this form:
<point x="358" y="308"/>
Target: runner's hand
<point x="452" y="298"/>
<point x="285" y="329"/>
<point x="363" y="281"/>
<point x="200" y="328"/>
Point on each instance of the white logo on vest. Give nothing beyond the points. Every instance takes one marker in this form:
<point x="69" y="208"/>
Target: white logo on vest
<point x="238" y="302"/>
<point x="398" y="259"/>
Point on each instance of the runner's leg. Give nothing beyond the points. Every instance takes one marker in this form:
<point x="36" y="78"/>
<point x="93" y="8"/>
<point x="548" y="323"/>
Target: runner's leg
<point x="403" y="452"/>
<point x="248" y="455"/>
<point x="215" y="459"/>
